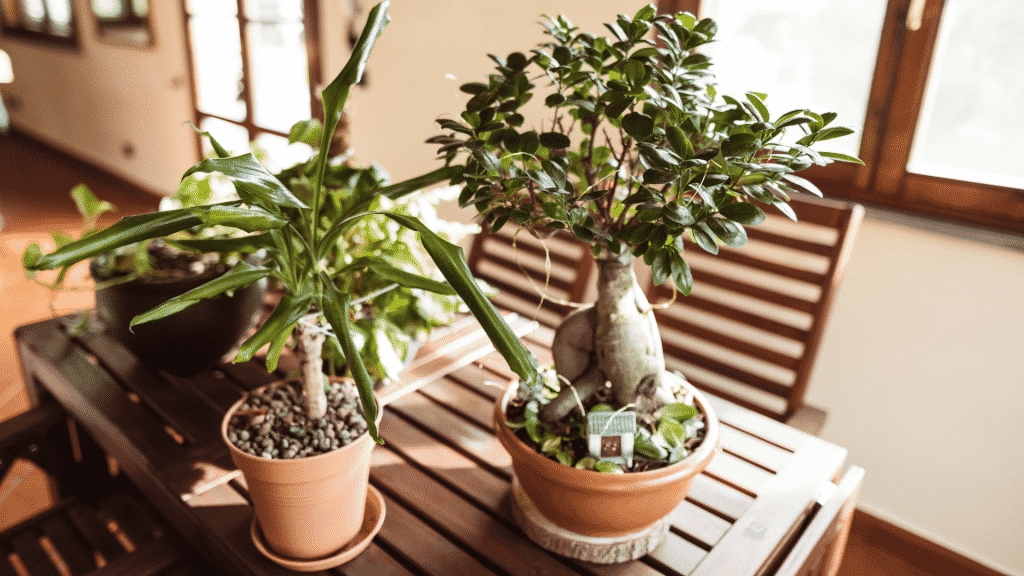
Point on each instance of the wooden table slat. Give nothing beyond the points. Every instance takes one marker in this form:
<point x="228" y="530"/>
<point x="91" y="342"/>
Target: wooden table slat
<point x="738" y="472"/>
<point x="178" y="407"/>
<point x="462" y="521"/>
<point x="719" y="497"/>
<point x="752" y="448"/>
<point x="699" y="523"/>
<point x="767" y="429"/>
<point x="373" y="562"/>
<point x="423" y="547"/>
<point x="473" y="441"/>
<point x="677" y="556"/>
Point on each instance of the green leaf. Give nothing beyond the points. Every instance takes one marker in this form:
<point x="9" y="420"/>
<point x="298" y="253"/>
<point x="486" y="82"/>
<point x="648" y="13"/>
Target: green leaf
<point x="638" y="125"/>
<point x="729" y="232"/>
<point x="246" y="219"/>
<point x="616" y="108"/>
<point x="409" y="279"/>
<point x="241" y="244"/>
<point x="678" y="214"/>
<point x="335" y="308"/>
<point x="128" y="230"/>
<point x="89" y="206"/>
<point x="608" y="467"/>
<point x="241" y="276"/>
<point x="529" y="142"/>
<point x="704" y="238"/>
<point x="679" y="142"/>
<point x="252" y="181"/>
<point x="758" y="102"/>
<point x="741" y="144"/>
<point x="843" y="157"/>
<point x="672" y="431"/>
<point x="306" y="131"/>
<point x="678" y="411"/>
<point x="803" y="183"/>
<point x="743" y="212"/>
<point x="661" y="270"/>
<point x="658" y="176"/>
<point x="555" y="140"/>
<point x="833" y="132"/>
<point x="451" y="261"/>
<point x="682" y="277"/>
<point x="288" y="311"/>
<point x="473" y="88"/>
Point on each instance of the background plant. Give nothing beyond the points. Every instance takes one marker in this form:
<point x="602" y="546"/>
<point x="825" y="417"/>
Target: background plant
<point x="637" y="152"/>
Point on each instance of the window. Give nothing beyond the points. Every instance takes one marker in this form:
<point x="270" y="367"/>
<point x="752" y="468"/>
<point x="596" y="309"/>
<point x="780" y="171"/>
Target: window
<point x="46" y="21"/>
<point x="255" y="70"/>
<point x="123" y="22"/>
<point x="935" y="86"/>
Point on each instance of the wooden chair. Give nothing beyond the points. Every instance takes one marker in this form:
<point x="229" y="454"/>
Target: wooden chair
<point x="522" y="268"/>
<point x="98" y="525"/>
<point x="751" y="328"/>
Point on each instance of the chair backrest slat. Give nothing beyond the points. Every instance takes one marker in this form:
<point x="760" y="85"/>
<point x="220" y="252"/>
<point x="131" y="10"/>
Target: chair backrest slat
<point x="752" y="325"/>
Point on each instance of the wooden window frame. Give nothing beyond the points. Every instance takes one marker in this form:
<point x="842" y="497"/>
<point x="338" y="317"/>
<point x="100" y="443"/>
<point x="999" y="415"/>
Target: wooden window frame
<point x="894" y="105"/>
<point x="19" y="31"/>
<point x="311" y="23"/>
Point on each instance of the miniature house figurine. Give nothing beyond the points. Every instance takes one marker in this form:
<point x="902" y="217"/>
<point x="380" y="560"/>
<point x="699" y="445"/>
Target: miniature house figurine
<point x="611" y="436"/>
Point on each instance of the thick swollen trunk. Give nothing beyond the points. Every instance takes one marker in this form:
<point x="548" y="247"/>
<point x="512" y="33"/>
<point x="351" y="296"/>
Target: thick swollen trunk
<point x="616" y="341"/>
<point x="310" y="343"/>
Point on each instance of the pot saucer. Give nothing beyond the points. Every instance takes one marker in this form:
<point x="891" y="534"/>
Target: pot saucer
<point x="373" y="519"/>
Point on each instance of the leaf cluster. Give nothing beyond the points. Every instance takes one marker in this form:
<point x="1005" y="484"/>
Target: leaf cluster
<point x="637" y="150"/>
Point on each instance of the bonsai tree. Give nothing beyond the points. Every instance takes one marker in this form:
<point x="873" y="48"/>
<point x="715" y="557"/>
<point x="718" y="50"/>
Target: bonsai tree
<point x="637" y="152"/>
<point x="298" y="237"/>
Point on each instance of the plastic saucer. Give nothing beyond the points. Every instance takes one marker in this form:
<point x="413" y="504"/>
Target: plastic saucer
<point x="373" y="519"/>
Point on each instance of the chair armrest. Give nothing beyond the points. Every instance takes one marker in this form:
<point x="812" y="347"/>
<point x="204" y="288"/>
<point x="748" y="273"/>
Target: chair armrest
<point x="820" y="548"/>
<point x="809" y="419"/>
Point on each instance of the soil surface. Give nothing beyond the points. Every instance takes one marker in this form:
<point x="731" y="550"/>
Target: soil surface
<point x="579" y="446"/>
<point x="271" y="422"/>
<point x="169" y="264"/>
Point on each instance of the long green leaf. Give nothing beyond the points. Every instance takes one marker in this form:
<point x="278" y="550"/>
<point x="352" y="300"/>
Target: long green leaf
<point x="250" y="219"/>
<point x="336" y="93"/>
<point x="335" y="308"/>
<point x="253" y="182"/>
<point x="289" y="310"/>
<point x="452" y="263"/>
<point x="395" y="191"/>
<point x="399" y="276"/>
<point x="128" y="230"/>
<point x="242" y="244"/>
<point x="240" y="276"/>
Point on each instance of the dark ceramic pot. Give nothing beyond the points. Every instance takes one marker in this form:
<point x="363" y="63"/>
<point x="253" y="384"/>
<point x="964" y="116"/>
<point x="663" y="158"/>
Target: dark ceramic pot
<point x="187" y="342"/>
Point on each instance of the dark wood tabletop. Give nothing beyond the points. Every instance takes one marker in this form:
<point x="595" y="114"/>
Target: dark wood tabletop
<point x="444" y="476"/>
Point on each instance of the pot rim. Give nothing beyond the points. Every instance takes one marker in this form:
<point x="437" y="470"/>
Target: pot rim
<point x="278" y="462"/>
<point x="697" y="460"/>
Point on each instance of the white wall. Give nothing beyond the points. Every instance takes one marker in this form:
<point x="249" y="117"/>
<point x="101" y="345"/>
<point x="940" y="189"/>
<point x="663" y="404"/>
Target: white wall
<point x="922" y="372"/>
<point x="94" y="102"/>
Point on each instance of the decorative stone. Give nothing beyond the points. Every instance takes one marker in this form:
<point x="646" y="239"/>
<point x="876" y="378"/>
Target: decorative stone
<point x="600" y="550"/>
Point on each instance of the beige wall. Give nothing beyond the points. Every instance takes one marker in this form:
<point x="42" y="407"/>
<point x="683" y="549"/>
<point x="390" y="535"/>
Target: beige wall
<point x="96" y="101"/>
<point x="921" y="367"/>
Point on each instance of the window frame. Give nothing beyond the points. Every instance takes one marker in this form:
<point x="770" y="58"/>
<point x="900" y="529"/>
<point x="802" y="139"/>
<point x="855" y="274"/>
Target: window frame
<point x="311" y="24"/>
<point x="894" y="106"/>
<point x="128" y="20"/>
<point x="21" y="32"/>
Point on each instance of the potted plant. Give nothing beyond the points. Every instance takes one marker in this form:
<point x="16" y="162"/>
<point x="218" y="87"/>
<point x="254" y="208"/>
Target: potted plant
<point x="637" y="151"/>
<point x="134" y="278"/>
<point x="304" y="528"/>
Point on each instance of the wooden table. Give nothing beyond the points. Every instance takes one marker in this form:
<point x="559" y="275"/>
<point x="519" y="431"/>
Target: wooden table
<point x="761" y="507"/>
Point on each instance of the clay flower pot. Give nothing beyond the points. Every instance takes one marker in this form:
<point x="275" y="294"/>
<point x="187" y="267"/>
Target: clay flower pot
<point x="595" y="504"/>
<point x="310" y="510"/>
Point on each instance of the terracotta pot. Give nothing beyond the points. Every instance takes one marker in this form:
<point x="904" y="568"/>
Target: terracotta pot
<point x="308" y="508"/>
<point x="598" y="504"/>
<point x="189" y="341"/>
